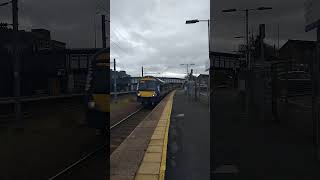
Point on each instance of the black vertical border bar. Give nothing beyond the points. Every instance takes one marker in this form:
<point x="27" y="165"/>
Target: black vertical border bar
<point x="211" y="87"/>
<point x="107" y="43"/>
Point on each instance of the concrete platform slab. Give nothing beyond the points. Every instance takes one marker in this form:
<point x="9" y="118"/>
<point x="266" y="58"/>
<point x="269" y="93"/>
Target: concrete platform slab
<point x="134" y="143"/>
<point x="141" y="132"/>
<point x="158" y="133"/>
<point x="147" y="177"/>
<point x="152" y="157"/>
<point x="149" y="168"/>
<point x="189" y="140"/>
<point x="148" y="124"/>
<point x="154" y="162"/>
<point x="154" y="149"/>
<point x="157" y="136"/>
<point x="162" y="124"/>
<point x="156" y="142"/>
<point x="159" y="128"/>
<point x="125" y="161"/>
<point x="119" y="177"/>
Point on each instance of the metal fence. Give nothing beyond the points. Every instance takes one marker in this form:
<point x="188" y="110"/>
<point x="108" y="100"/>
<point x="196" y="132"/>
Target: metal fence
<point x="279" y="93"/>
<point x="197" y="91"/>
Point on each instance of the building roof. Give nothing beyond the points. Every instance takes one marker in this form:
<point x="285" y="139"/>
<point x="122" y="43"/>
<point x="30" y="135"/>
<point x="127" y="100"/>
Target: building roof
<point x="212" y="53"/>
<point x="204" y="75"/>
<point x="30" y="38"/>
<point x="55" y="41"/>
<point x="171" y="78"/>
<point x="71" y="51"/>
<point x="300" y="44"/>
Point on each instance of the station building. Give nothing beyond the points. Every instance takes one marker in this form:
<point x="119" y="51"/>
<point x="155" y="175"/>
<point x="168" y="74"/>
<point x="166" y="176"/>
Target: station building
<point x="47" y="66"/>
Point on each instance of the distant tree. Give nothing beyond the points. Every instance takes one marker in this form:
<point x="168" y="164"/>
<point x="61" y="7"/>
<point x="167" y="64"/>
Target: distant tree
<point x="269" y="50"/>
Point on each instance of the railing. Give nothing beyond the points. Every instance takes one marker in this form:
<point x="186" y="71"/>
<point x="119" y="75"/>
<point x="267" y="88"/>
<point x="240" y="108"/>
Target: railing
<point x="295" y="87"/>
<point x="123" y="93"/>
<point x="9" y="100"/>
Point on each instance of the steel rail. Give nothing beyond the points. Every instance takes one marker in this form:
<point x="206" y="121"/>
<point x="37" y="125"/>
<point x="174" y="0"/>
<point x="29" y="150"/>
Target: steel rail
<point x="78" y="162"/>
<point x="124" y="119"/>
<point x="68" y="168"/>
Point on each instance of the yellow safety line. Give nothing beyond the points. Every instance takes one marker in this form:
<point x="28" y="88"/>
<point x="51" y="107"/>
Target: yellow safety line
<point x="165" y="116"/>
<point x="165" y="143"/>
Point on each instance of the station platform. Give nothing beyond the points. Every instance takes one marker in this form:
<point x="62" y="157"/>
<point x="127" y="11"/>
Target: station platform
<point x="246" y="148"/>
<point x="142" y="154"/>
<point x="170" y="143"/>
<point x="189" y="139"/>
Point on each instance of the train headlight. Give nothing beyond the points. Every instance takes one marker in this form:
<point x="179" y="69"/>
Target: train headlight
<point x="138" y="94"/>
<point x="91" y="104"/>
<point x="154" y="94"/>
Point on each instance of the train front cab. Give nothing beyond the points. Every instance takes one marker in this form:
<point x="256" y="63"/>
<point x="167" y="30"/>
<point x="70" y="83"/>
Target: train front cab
<point x="148" y="91"/>
<point x="98" y="93"/>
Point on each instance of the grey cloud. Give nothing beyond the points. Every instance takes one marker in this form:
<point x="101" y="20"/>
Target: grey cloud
<point x="70" y="21"/>
<point x="289" y="14"/>
<point x="158" y="27"/>
<point x="164" y="41"/>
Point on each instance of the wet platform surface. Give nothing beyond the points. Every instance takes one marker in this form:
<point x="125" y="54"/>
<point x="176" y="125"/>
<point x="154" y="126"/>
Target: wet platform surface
<point x="189" y="139"/>
<point x="126" y="160"/>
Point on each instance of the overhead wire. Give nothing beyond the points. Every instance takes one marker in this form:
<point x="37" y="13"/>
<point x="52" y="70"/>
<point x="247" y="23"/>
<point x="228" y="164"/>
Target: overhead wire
<point x="118" y="46"/>
<point x="117" y="49"/>
<point x="117" y="32"/>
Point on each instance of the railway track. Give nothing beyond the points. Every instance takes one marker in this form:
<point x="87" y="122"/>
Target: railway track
<point x="90" y="166"/>
<point x="10" y="117"/>
<point x="93" y="162"/>
<point x="122" y="129"/>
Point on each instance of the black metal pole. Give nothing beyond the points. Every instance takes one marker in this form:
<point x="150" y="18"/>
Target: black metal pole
<point x="247" y="37"/>
<point x="142" y="71"/>
<point x="188" y="70"/>
<point x="209" y="36"/>
<point x="278" y="40"/>
<point x="115" y="79"/>
<point x="16" y="63"/>
<point x="248" y="93"/>
<point x="210" y="72"/>
<point x="316" y="102"/>
<point x="95" y="31"/>
<point x="104" y="38"/>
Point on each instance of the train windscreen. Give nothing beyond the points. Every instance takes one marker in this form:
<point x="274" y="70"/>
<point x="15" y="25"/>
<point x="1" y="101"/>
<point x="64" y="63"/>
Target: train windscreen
<point x="147" y="85"/>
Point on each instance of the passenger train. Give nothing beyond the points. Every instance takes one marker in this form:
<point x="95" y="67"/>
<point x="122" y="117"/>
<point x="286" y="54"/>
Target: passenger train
<point x="98" y="91"/>
<point x="150" y="90"/>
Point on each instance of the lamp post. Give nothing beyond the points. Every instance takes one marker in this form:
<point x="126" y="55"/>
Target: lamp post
<point x="95" y="29"/>
<point x="115" y="80"/>
<point x="248" y="82"/>
<point x="205" y="20"/>
<point x="191" y="64"/>
<point x="247" y="28"/>
<point x="103" y="30"/>
<point x="16" y="60"/>
<point x="208" y="21"/>
<point x="103" y="33"/>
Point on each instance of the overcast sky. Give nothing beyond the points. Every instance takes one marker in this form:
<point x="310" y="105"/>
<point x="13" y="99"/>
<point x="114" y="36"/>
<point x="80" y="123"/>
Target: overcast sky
<point x="70" y="21"/>
<point x="153" y="34"/>
<point x="289" y="14"/>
